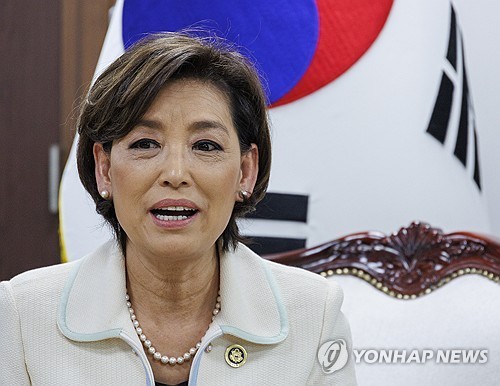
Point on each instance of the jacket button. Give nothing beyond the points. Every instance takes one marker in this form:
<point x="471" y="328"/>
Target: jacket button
<point x="236" y="355"/>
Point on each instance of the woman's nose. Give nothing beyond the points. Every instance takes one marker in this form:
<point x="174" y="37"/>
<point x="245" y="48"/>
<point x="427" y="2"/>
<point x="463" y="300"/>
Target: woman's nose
<point x="174" y="169"/>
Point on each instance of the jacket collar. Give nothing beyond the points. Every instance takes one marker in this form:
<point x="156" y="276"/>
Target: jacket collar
<point x="93" y="301"/>
<point x="252" y="307"/>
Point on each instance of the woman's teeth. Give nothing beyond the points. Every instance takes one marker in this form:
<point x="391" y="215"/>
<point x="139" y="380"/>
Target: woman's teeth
<point x="173" y="213"/>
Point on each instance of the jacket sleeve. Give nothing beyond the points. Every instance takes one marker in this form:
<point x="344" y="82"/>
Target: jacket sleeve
<point x="13" y="368"/>
<point x="334" y="364"/>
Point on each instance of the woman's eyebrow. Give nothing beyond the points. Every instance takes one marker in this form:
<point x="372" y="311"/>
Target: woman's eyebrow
<point x="150" y="123"/>
<point x="209" y="124"/>
<point x="196" y="126"/>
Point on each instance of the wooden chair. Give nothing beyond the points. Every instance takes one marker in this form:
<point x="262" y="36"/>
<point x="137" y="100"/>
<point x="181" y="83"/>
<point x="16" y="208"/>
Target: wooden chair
<point x="390" y="299"/>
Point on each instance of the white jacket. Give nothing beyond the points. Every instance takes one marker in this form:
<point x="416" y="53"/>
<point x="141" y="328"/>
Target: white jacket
<point x="69" y="325"/>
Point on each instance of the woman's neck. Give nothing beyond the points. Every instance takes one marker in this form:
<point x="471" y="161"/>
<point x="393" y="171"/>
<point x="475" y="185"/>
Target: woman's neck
<point x="173" y="297"/>
<point x="177" y="289"/>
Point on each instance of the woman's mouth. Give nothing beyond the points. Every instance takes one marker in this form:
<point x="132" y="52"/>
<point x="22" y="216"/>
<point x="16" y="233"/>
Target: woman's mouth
<point x="173" y="213"/>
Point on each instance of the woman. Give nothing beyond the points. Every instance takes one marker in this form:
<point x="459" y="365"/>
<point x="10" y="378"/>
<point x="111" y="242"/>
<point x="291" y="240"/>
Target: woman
<point x="174" y="147"/>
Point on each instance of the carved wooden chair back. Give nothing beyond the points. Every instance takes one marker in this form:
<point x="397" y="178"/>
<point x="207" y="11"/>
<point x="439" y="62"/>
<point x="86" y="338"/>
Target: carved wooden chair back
<point x="393" y="303"/>
<point x="409" y="263"/>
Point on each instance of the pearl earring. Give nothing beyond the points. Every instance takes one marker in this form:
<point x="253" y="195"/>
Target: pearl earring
<point x="105" y="194"/>
<point x="244" y="194"/>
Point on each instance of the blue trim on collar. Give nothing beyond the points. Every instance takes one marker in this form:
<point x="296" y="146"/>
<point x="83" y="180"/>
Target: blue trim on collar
<point x="61" y="317"/>
<point x="284" y="326"/>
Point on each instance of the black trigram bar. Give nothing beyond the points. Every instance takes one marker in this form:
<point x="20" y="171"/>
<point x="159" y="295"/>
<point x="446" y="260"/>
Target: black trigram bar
<point x="438" y="125"/>
<point x="284" y="207"/>
<point x="461" y="144"/>
<point x="477" y="177"/>
<point x="463" y="125"/>
<point x="267" y="245"/>
<point x="279" y="206"/>
<point x="452" y="41"/>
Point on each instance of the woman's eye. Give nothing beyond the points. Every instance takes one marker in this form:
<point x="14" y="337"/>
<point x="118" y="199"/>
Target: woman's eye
<point x="206" y="146"/>
<point x="145" y="144"/>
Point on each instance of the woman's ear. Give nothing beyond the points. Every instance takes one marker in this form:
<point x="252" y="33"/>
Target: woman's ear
<point x="102" y="168"/>
<point x="249" y="171"/>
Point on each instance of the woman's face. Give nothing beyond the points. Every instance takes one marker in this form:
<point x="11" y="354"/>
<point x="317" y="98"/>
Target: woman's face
<point x="175" y="177"/>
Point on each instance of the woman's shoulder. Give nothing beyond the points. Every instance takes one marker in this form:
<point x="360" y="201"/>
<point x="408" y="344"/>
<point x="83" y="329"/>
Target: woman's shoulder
<point x="295" y="281"/>
<point x="43" y="284"/>
<point x="40" y="284"/>
<point x="34" y="278"/>
<point x="35" y="292"/>
<point x="310" y="286"/>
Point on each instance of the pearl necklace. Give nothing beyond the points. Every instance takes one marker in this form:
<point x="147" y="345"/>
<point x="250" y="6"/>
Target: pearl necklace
<point x="164" y="359"/>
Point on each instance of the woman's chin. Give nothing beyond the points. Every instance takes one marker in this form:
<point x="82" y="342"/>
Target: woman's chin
<point x="177" y="246"/>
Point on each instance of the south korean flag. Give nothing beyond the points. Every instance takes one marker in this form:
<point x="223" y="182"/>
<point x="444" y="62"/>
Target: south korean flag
<point x="373" y="121"/>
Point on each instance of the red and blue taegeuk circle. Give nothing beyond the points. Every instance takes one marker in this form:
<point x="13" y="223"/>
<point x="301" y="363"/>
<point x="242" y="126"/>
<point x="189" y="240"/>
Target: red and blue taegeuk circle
<point x="298" y="45"/>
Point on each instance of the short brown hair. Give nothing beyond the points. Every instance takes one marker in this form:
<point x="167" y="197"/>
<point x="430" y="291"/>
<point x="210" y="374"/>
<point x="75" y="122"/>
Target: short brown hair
<point x="125" y="90"/>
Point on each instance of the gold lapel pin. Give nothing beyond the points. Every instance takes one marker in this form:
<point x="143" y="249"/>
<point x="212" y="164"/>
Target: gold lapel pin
<point x="236" y="355"/>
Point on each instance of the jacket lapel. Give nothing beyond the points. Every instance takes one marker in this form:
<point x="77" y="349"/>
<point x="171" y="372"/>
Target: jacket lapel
<point x="252" y="306"/>
<point x="93" y="302"/>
